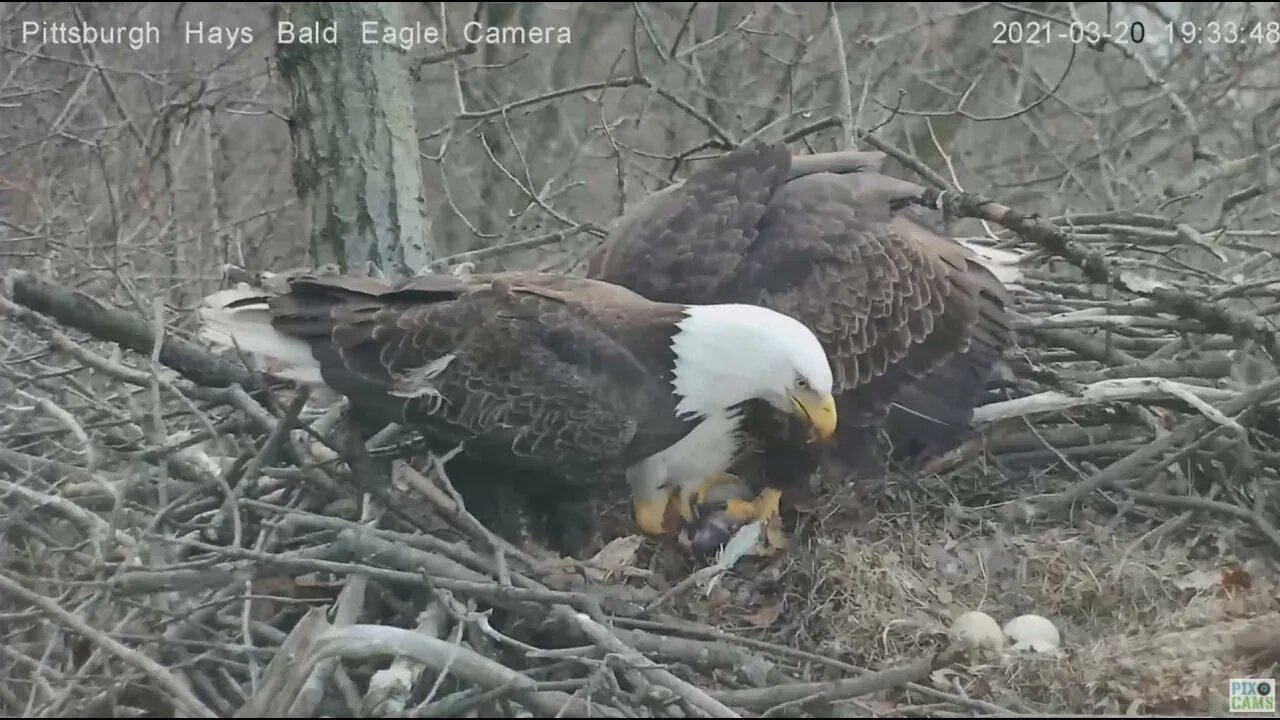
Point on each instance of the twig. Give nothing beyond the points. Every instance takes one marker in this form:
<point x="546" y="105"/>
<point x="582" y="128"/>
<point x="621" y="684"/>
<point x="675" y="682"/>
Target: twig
<point x="288" y="670"/>
<point x="621" y="82"/>
<point x="606" y="640"/>
<point x="798" y="654"/>
<point x="513" y="247"/>
<point x="1264" y="526"/>
<point x="182" y="696"/>
<point x="365" y="641"/>
<point x="452" y="509"/>
<point x="93" y="525"/>
<point x="1105" y="391"/>
<point x="444" y="573"/>
<point x="347" y="609"/>
<point x="1188" y="431"/>
<point x="842" y="73"/>
<point x="836" y="690"/>
<point x="1096" y="268"/>
<point x="61" y="415"/>
<point x="430" y="543"/>
<point x="390" y="688"/>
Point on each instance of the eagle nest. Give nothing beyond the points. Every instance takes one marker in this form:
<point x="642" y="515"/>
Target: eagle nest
<point x="179" y="539"/>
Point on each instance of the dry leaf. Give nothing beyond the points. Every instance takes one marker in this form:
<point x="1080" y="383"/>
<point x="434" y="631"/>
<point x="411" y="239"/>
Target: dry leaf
<point x="1198" y="580"/>
<point x="766" y="616"/>
<point x="267" y="589"/>
<point x="1141" y="284"/>
<point x="880" y="707"/>
<point x="1235" y="577"/>
<point x="614" y="558"/>
<point x="757" y="670"/>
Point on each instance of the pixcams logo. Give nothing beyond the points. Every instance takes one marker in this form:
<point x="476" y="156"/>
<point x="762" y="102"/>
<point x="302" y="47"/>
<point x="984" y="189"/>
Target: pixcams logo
<point x="1255" y="695"/>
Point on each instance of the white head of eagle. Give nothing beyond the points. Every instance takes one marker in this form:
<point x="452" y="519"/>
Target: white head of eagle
<point x="730" y="353"/>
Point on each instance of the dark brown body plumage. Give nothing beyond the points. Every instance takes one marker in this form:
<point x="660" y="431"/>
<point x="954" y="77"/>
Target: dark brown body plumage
<point x="907" y="315"/>
<point x="547" y="372"/>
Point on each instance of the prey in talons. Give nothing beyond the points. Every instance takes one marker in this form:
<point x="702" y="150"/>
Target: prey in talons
<point x="721" y="507"/>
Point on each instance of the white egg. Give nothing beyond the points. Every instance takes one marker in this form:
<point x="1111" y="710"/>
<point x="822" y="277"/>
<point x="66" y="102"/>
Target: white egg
<point x="1033" y="632"/>
<point x="978" y="630"/>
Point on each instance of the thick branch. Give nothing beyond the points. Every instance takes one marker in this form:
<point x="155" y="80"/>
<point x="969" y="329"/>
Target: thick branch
<point x="82" y="312"/>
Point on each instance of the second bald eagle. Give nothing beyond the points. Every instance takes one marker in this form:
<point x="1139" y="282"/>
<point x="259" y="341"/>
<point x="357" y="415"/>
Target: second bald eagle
<point x="913" y="321"/>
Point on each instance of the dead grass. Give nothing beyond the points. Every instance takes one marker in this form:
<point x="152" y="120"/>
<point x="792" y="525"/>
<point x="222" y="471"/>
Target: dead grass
<point x="1156" y="611"/>
<point x="1155" y="617"/>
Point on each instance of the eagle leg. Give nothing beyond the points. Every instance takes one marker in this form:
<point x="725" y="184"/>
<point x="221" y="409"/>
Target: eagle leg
<point x="652" y="514"/>
<point x="764" y="508"/>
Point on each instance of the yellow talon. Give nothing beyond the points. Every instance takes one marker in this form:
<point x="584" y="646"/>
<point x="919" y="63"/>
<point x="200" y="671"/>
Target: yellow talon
<point x="744" y="511"/>
<point x="764" y="508"/>
<point x="769" y="504"/>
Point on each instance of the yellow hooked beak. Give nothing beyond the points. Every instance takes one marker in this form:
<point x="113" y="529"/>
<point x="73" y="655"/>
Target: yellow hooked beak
<point x="819" y="409"/>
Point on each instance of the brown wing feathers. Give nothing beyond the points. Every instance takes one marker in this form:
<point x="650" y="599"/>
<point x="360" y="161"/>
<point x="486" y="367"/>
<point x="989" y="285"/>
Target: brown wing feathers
<point x="888" y="306"/>
<point x="685" y="246"/>
<point x="504" y="362"/>
<point x="828" y="239"/>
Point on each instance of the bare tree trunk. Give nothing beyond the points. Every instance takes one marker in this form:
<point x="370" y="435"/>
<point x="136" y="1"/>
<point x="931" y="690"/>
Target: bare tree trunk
<point x="355" y="140"/>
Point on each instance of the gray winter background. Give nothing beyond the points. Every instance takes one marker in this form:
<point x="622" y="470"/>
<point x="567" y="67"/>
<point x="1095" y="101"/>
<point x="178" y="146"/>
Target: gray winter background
<point x="160" y="553"/>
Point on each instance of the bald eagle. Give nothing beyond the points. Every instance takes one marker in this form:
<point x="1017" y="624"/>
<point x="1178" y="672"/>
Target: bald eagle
<point x="913" y="322"/>
<point x="553" y="376"/>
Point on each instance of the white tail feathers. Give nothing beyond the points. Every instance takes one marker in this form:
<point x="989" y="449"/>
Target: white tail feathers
<point x="248" y="328"/>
